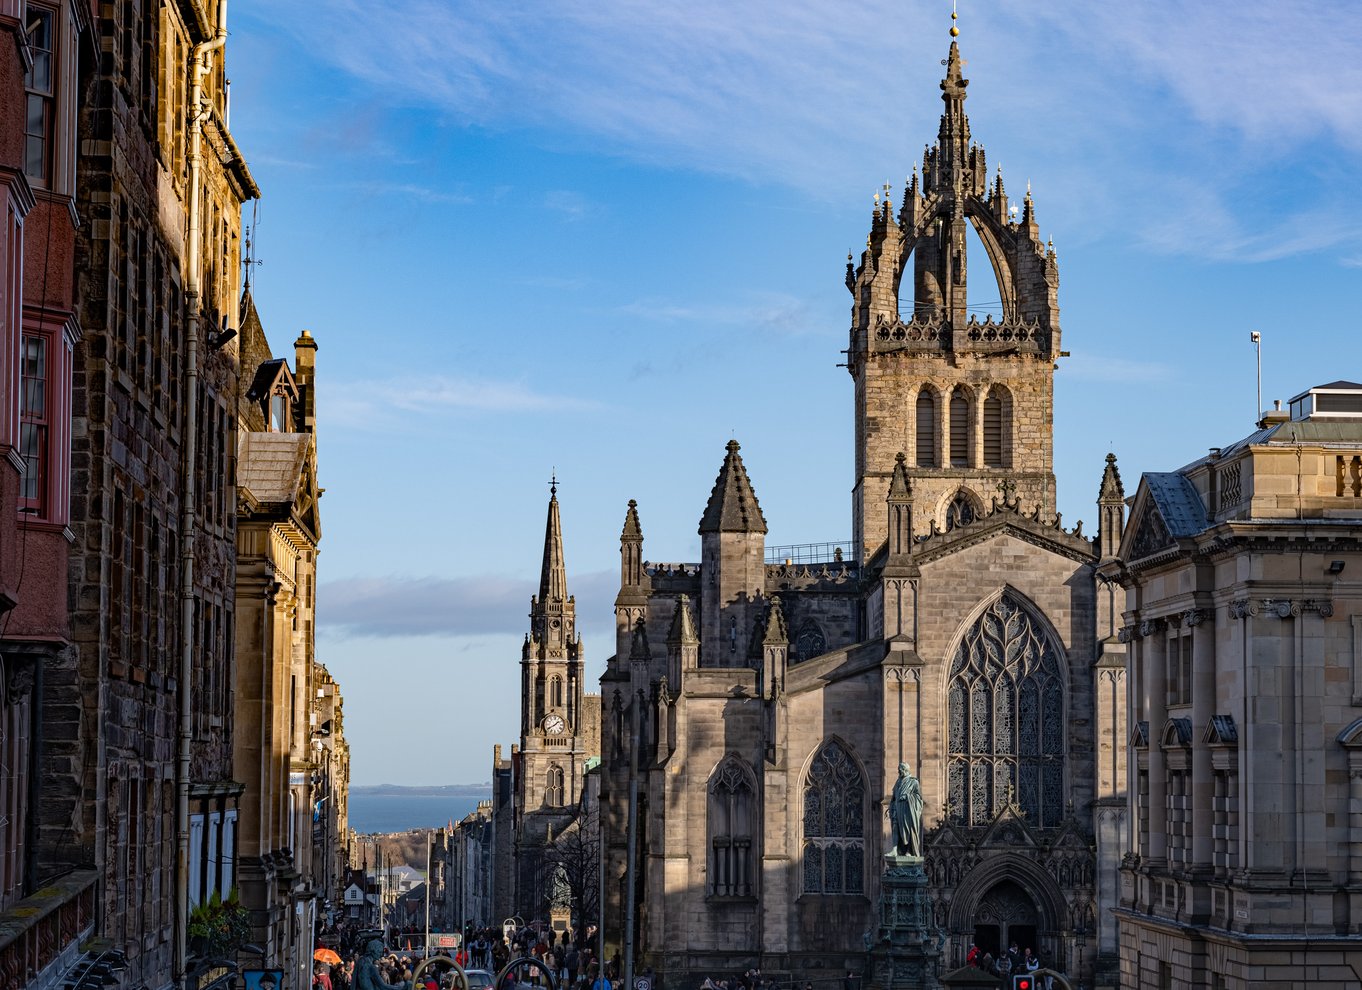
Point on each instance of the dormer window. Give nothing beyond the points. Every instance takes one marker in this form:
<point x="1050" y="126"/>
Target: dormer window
<point x="274" y="391"/>
<point x="280" y="420"/>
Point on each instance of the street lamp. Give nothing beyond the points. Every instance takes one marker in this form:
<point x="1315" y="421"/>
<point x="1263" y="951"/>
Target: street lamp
<point x="1256" y="339"/>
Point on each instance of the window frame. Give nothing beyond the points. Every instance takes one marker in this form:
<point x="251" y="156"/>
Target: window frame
<point x="58" y="333"/>
<point x="59" y="174"/>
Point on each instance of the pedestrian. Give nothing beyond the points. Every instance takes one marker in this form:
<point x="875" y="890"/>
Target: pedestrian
<point x="972" y="957"/>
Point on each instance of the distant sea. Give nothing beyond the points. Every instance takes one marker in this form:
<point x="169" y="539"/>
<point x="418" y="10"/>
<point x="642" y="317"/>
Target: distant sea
<point x="389" y="808"/>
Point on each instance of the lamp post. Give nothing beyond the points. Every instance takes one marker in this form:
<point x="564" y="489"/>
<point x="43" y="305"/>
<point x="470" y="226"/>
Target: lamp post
<point x="1256" y="339"/>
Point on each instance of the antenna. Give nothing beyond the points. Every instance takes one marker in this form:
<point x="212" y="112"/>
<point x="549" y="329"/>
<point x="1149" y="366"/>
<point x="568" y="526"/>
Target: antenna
<point x="1256" y="339"/>
<point x="248" y="259"/>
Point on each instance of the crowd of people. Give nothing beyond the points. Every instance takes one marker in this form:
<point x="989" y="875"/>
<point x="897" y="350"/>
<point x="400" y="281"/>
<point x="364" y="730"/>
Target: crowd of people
<point x="1010" y="963"/>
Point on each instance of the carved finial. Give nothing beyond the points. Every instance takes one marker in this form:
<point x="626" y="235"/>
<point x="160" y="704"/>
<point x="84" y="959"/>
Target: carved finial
<point x="553" y="483"/>
<point x="955" y="31"/>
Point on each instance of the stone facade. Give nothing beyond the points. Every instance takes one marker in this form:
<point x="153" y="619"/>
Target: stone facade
<point x="765" y="705"/>
<point x="139" y="746"/>
<point x="1243" y="615"/>
<point x="279" y="737"/>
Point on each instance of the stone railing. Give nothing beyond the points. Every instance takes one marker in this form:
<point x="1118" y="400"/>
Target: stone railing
<point x="43" y="927"/>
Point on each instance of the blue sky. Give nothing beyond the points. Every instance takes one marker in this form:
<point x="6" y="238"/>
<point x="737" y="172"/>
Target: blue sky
<point x="605" y="238"/>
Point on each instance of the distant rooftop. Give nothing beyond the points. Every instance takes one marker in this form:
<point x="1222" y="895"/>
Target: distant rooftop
<point x="1337" y="400"/>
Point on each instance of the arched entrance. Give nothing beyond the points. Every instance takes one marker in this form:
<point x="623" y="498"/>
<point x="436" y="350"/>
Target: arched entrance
<point x="1006" y="914"/>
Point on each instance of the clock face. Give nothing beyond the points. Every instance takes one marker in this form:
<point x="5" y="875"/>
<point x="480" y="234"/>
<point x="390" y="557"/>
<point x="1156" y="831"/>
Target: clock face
<point x="554" y="725"/>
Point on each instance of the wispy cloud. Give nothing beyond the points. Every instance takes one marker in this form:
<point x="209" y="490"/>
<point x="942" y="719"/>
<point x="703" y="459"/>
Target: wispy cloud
<point x="374" y="403"/>
<point x="773" y="312"/>
<point x="572" y="205"/>
<point x="412" y="191"/>
<point x="431" y="606"/>
<point x="1103" y="101"/>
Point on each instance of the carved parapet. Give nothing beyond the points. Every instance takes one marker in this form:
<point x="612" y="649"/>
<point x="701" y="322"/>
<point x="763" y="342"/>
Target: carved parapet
<point x="918" y="334"/>
<point x="988" y="335"/>
<point x="802" y="577"/>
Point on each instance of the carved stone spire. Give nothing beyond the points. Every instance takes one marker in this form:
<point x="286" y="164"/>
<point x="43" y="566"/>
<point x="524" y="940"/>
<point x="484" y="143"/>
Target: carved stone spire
<point x="775" y="634"/>
<point x="1111" y="510"/>
<point x="732" y="504"/>
<point x="553" y="575"/>
<point x="682" y="631"/>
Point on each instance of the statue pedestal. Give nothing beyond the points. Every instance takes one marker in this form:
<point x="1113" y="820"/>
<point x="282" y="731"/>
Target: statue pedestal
<point x="907" y="953"/>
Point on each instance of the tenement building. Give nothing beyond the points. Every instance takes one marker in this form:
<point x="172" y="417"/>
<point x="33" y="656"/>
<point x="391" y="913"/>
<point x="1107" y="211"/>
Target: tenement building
<point x="136" y="743"/>
<point x="1243" y="617"/>
<point x="45" y="911"/>
<point x="763" y="699"/>
<point x="279" y="736"/>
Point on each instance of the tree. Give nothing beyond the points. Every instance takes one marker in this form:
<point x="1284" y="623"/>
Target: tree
<point x="570" y="869"/>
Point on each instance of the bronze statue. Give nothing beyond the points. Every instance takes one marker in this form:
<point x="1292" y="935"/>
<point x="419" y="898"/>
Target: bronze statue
<point x="366" y="970"/>
<point x="905" y="815"/>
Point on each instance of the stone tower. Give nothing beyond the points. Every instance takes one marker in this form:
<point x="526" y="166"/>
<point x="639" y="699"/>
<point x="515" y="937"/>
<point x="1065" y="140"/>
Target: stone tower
<point x="733" y="565"/>
<point x="969" y="401"/>
<point x="551" y="726"/>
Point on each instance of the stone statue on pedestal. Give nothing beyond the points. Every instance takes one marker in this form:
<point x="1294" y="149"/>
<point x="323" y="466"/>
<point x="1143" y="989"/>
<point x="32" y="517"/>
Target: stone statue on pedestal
<point x="905" y="815"/>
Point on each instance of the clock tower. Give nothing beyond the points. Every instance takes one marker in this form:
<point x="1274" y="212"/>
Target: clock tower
<point x="551" y="689"/>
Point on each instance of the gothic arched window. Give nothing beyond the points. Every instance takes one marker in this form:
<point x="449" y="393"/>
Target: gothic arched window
<point x="834" y="823"/>
<point x="732" y="804"/>
<point x="1006" y="719"/>
<point x="998" y="428"/>
<point x="925" y="411"/>
<point x="961" y="428"/>
<point x="553" y="795"/>
<point x="555" y="691"/>
<point x="960" y="511"/>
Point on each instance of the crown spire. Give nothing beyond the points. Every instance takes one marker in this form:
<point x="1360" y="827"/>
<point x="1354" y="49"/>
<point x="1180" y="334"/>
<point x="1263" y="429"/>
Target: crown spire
<point x="553" y="576"/>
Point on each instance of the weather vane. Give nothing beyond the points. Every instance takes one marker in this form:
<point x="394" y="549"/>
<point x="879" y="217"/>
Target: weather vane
<point x="553" y="482"/>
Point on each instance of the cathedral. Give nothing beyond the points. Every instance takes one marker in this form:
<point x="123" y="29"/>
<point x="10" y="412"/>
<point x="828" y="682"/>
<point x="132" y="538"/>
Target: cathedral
<point x="762" y="700"/>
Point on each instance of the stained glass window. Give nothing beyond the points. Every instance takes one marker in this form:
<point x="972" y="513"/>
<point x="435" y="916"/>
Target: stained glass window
<point x="1006" y="719"/>
<point x="732" y="807"/>
<point x="834" y="823"/>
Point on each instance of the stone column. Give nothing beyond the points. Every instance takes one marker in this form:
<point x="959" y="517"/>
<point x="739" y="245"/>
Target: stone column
<point x="1202" y="625"/>
<point x="1155" y="649"/>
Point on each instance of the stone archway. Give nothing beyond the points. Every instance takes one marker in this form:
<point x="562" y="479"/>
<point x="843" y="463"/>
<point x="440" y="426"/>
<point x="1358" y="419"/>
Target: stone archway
<point x="1006" y="914"/>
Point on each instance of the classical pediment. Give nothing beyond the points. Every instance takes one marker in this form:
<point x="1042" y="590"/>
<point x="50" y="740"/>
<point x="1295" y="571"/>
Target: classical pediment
<point x="1166" y="509"/>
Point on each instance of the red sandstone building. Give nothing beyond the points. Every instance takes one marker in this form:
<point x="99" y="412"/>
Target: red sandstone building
<point x="42" y="47"/>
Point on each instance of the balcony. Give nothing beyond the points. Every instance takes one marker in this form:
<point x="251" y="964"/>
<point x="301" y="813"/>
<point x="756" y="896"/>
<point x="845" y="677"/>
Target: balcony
<point x="45" y="928"/>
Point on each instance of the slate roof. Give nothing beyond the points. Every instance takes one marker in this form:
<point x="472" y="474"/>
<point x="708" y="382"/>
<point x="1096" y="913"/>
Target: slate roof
<point x="1177" y="502"/>
<point x="732" y="504"/>
<point x="270" y="464"/>
<point x="264" y="378"/>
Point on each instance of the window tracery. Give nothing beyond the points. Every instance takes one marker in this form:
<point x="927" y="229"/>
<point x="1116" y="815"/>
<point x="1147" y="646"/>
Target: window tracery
<point x="732" y="800"/>
<point x="834" y="823"/>
<point x="553" y="795"/>
<point x="810" y="641"/>
<point x="960" y="511"/>
<point x="1005" y="719"/>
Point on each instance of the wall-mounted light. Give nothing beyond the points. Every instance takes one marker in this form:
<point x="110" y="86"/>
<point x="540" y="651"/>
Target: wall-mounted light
<point x="219" y="338"/>
<point x="1336" y="566"/>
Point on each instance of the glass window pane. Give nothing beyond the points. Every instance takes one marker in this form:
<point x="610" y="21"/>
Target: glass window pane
<point x="832" y="870"/>
<point x="813" y="869"/>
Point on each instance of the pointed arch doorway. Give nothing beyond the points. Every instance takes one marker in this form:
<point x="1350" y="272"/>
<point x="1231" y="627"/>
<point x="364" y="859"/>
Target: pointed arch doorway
<point x="1006" y="914"/>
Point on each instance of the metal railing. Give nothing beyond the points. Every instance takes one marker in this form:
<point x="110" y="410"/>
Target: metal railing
<point x="810" y="553"/>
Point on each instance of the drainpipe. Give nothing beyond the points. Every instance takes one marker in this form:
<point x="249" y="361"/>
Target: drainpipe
<point x="198" y="67"/>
